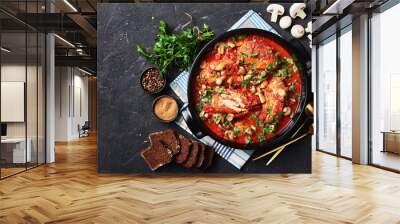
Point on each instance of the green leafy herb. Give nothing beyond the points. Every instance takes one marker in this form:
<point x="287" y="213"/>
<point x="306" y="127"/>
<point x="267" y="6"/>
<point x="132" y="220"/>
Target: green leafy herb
<point x="226" y="123"/>
<point x="248" y="139"/>
<point x="245" y="83"/>
<point x="289" y="61"/>
<point x="177" y="50"/>
<point x="254" y="55"/>
<point x="236" y="131"/>
<point x="268" y="129"/>
<point x="199" y="106"/>
<point x="261" y="137"/>
<point x="206" y="99"/>
<point x="241" y="36"/>
<point x="244" y="55"/>
<point x="292" y="87"/>
<point x="259" y="123"/>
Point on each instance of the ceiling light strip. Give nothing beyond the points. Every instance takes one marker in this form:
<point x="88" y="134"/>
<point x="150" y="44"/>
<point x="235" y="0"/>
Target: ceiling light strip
<point x="84" y="71"/>
<point x="70" y="5"/>
<point x="5" y="50"/>
<point x="64" y="40"/>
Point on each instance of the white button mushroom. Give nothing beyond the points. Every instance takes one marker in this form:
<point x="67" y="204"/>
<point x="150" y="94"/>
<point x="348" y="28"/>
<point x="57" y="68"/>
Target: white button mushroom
<point x="297" y="10"/>
<point x="297" y="31"/>
<point x="275" y="10"/>
<point x="309" y="27"/>
<point x="285" y="22"/>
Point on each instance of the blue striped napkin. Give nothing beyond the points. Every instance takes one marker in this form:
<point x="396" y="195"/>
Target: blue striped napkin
<point x="236" y="157"/>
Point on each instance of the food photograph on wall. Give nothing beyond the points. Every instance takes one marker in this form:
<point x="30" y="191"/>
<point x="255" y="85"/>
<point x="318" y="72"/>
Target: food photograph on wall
<point x="212" y="88"/>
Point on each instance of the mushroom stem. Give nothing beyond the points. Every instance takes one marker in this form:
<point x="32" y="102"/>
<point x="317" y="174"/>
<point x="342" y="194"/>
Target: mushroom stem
<point x="274" y="16"/>
<point x="301" y="14"/>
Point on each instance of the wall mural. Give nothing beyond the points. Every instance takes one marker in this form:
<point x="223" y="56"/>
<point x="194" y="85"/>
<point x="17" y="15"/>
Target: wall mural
<point x="183" y="89"/>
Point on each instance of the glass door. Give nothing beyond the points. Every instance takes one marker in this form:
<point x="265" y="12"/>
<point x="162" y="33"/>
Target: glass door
<point x="22" y="78"/>
<point x="14" y="155"/>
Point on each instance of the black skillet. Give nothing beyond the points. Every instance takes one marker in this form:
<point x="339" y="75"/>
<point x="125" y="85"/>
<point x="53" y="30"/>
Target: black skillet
<point x="197" y="126"/>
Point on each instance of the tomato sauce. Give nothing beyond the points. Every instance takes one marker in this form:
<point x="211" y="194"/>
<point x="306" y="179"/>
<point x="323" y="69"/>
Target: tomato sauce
<point x="247" y="89"/>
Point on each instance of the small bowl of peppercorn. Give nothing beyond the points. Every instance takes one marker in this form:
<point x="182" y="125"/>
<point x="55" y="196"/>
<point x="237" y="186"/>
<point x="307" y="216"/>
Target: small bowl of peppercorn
<point x="152" y="81"/>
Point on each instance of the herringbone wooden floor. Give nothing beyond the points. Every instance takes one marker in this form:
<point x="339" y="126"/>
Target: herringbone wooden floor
<point x="71" y="191"/>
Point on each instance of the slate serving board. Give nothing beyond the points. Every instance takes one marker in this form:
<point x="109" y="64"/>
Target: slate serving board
<point x="124" y="109"/>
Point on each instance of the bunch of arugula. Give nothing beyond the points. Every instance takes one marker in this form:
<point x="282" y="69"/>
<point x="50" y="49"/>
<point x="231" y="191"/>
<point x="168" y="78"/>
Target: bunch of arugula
<point x="176" y="50"/>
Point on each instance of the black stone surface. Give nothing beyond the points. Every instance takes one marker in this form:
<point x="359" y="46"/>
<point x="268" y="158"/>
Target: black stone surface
<point x="124" y="109"/>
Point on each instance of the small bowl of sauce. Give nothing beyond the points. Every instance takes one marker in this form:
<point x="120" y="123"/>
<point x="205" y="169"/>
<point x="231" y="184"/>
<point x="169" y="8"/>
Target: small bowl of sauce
<point x="165" y="108"/>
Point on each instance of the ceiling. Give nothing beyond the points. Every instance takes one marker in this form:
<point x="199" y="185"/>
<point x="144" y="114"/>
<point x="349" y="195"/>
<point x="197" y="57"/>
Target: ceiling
<point x="75" y="21"/>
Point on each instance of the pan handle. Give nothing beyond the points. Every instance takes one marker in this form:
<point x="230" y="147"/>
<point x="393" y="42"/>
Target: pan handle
<point x="190" y="123"/>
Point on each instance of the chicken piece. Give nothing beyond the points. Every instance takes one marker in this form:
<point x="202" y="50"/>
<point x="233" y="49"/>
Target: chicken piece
<point x="207" y="76"/>
<point x="232" y="102"/>
<point x="229" y="102"/>
<point x="275" y="96"/>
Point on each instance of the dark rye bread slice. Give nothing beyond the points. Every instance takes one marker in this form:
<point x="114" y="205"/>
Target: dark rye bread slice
<point x="201" y="155"/>
<point x="192" y="160"/>
<point x="183" y="155"/>
<point x="156" y="157"/>
<point x="209" y="157"/>
<point x="166" y="139"/>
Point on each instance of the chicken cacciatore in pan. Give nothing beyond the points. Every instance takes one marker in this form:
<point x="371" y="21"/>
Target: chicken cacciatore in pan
<point x="247" y="88"/>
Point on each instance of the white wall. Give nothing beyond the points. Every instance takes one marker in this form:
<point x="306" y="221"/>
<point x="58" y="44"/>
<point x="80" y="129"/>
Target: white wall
<point x="71" y="102"/>
<point x="33" y="127"/>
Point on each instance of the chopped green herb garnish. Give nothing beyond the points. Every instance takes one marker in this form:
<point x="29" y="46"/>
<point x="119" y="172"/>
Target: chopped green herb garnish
<point x="289" y="61"/>
<point x="248" y="139"/>
<point x="241" y="36"/>
<point x="292" y="87"/>
<point x="206" y="99"/>
<point x="199" y="107"/>
<point x="270" y="128"/>
<point x="255" y="54"/>
<point x="261" y="137"/>
<point x="236" y="131"/>
<point x="270" y="67"/>
<point x="226" y="123"/>
<point x="209" y="91"/>
<point x="269" y="110"/>
<point x="244" y="55"/>
<point x="245" y="83"/>
<point x="219" y="89"/>
<point x="259" y="123"/>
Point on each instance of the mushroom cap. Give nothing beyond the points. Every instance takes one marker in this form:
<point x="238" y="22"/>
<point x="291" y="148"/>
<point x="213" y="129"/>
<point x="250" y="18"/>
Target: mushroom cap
<point x="295" y="8"/>
<point x="276" y="7"/>
<point x="297" y="31"/>
<point x="285" y="22"/>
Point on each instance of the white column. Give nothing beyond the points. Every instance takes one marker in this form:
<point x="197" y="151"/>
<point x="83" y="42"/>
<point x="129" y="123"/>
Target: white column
<point x="50" y="93"/>
<point x="360" y="90"/>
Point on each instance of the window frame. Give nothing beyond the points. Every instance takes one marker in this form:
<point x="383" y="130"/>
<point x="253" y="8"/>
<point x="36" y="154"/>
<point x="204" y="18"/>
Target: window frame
<point x="334" y="37"/>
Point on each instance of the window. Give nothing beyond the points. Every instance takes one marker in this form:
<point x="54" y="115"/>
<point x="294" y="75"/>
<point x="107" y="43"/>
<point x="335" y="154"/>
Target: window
<point x="326" y="96"/>
<point x="346" y="92"/>
<point x="385" y="89"/>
